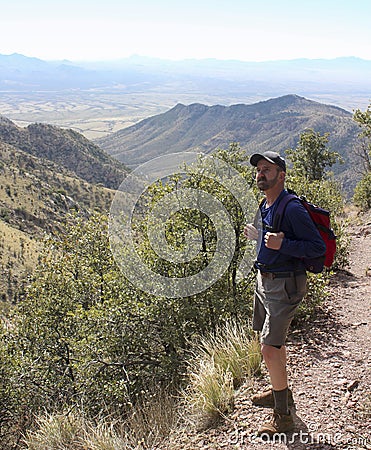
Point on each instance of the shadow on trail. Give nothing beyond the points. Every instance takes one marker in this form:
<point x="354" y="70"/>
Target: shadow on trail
<point x="342" y="278"/>
<point x="324" y="331"/>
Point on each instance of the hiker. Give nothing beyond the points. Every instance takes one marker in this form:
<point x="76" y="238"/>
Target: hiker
<point x="281" y="281"/>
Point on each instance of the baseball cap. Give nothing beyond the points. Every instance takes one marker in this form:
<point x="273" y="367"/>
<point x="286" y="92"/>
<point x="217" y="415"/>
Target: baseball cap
<point x="269" y="156"/>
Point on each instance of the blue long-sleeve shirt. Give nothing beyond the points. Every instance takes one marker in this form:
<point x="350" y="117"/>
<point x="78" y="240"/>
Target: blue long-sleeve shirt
<point x="302" y="238"/>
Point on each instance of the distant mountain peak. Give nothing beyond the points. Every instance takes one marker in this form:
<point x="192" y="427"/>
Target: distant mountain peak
<point x="5" y="121"/>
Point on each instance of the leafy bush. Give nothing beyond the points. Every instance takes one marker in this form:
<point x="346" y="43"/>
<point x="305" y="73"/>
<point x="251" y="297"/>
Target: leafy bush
<point x="312" y="157"/>
<point x="83" y="334"/>
<point x="362" y="193"/>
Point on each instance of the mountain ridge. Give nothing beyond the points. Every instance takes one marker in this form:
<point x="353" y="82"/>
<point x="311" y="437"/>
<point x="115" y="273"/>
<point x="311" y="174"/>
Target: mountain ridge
<point x="67" y="148"/>
<point x="274" y="124"/>
<point x="223" y="79"/>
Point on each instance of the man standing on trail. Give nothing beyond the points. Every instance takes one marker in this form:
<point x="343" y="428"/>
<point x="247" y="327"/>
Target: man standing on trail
<point x="281" y="281"/>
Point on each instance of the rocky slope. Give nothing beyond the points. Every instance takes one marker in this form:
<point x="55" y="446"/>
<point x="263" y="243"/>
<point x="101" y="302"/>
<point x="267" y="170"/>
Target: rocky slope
<point x="66" y="148"/>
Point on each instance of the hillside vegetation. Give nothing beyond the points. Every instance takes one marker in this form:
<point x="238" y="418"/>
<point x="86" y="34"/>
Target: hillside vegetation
<point x="38" y="195"/>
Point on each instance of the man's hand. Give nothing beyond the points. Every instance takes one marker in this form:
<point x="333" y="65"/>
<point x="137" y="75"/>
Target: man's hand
<point x="251" y="232"/>
<point x="274" y="240"/>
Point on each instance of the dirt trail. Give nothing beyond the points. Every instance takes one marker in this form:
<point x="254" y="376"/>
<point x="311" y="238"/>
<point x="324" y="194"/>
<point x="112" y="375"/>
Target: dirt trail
<point x="329" y="371"/>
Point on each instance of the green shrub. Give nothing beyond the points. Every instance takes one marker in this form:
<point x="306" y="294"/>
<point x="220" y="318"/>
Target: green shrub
<point x="362" y="193"/>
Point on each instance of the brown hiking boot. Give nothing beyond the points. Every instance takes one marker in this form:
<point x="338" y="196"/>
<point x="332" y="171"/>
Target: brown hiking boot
<point x="266" y="399"/>
<point x="279" y="423"/>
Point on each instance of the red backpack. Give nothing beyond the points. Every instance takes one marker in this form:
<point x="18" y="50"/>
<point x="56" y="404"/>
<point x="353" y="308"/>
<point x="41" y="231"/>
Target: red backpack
<point x="321" y="218"/>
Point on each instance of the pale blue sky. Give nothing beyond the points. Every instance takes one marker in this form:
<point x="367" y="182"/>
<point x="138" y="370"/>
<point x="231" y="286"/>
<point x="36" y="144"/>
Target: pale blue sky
<point x="247" y="30"/>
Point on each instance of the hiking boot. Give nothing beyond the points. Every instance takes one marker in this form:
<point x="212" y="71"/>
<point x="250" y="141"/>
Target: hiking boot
<point x="279" y="423"/>
<point x="266" y="399"/>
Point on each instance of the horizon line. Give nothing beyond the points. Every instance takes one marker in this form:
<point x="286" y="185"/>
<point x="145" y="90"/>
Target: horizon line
<point x="179" y="60"/>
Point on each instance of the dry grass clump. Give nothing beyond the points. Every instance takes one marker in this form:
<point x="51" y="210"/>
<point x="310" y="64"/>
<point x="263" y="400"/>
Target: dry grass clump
<point x="221" y="364"/>
<point x="146" y="427"/>
<point x="57" y="432"/>
<point x="152" y="420"/>
<point x="211" y="393"/>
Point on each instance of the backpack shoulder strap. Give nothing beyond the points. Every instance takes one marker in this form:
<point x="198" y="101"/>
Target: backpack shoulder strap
<point x="278" y="215"/>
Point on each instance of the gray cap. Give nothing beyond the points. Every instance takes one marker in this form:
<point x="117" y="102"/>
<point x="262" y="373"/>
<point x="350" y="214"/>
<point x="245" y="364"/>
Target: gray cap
<point x="271" y="157"/>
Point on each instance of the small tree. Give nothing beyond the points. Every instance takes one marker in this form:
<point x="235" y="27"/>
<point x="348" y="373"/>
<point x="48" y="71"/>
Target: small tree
<point x="362" y="192"/>
<point x="311" y="156"/>
<point x="308" y="177"/>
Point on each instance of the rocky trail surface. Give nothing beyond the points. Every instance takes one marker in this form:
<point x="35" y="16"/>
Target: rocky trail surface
<point x="329" y="370"/>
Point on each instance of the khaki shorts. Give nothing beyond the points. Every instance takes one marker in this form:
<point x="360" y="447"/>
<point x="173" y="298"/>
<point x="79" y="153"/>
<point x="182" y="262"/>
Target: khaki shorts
<point x="275" y="303"/>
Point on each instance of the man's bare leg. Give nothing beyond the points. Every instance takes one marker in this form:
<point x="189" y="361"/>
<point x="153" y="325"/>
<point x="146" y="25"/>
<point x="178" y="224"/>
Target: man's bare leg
<point x="275" y="360"/>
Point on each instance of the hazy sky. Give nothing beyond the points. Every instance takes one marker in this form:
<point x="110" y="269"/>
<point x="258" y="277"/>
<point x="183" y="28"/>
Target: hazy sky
<point x="248" y="30"/>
